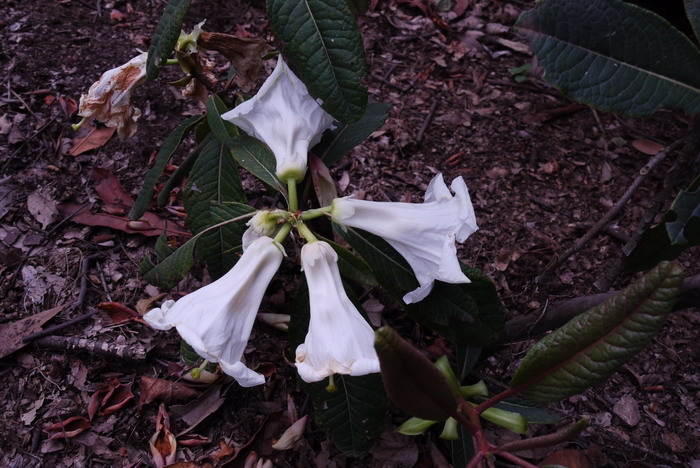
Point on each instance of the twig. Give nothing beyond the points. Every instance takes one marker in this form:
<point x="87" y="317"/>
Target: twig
<point x="670" y="181"/>
<point x="428" y="119"/>
<point x="60" y="326"/>
<point x="24" y="103"/>
<point x="525" y="327"/>
<point x="617" y="207"/>
<point x="124" y="351"/>
<point x="103" y="281"/>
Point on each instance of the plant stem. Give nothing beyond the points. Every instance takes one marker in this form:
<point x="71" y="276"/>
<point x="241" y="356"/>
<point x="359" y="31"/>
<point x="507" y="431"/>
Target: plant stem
<point x="283" y="232"/>
<point x="495" y="399"/>
<point x="305" y="232"/>
<point x="317" y="213"/>
<point x="516" y="459"/>
<point x="292" y="188"/>
<point x="171" y="62"/>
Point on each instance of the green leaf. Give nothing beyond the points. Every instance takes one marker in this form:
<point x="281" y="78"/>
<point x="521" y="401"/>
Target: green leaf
<point x="414" y="383"/>
<point x="466" y="314"/>
<point x="337" y="143"/>
<point x="171" y="268"/>
<point x="463" y="448"/>
<point x="171" y="143"/>
<point x="678" y="230"/>
<point x="353" y="415"/>
<point x="323" y="42"/>
<point x="182" y="171"/>
<point x="614" y="55"/>
<point x="467" y="357"/>
<point x="692" y="9"/>
<point x="214" y="178"/>
<point x="415" y="426"/>
<point x="165" y="36"/>
<point x="220" y="128"/>
<point x="531" y="411"/>
<point x="256" y="158"/>
<point x="351" y="266"/>
<point x="588" y="349"/>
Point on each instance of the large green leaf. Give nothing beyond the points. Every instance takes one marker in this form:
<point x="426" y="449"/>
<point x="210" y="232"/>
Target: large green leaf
<point x="337" y="143"/>
<point x="323" y="42"/>
<point x="171" y="143"/>
<point x="462" y="449"/>
<point x="165" y="36"/>
<point x="692" y="8"/>
<point x="353" y="415"/>
<point x="214" y="178"/>
<point x="182" y="171"/>
<point x="467" y="314"/>
<point x="614" y="55"/>
<point x="678" y="230"/>
<point x="256" y="158"/>
<point x="588" y="349"/>
<point x="220" y="128"/>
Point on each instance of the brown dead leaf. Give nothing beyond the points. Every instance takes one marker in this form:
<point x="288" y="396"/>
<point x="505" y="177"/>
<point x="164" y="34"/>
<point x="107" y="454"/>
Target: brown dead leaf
<point x="71" y="427"/>
<point x="225" y="453"/>
<point x="109" y="399"/>
<point x="324" y="185"/>
<point x="194" y="440"/>
<point x="68" y="106"/>
<point x="163" y="444"/>
<point x="568" y="457"/>
<point x="198" y="410"/>
<point x="96" y="138"/>
<point x="118" y="313"/>
<point x="244" y="53"/>
<point x="109" y="189"/>
<point x="647" y="146"/>
<point x="11" y="334"/>
<point x="153" y="389"/>
<point x="145" y="305"/>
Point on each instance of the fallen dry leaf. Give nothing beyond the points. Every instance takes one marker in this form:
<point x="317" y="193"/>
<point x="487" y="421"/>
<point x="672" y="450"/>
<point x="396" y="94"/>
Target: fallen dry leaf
<point x="647" y="146"/>
<point x="291" y="436"/>
<point x="109" y="399"/>
<point x="42" y="207"/>
<point x="118" y="313"/>
<point x="198" y="410"/>
<point x="109" y="188"/>
<point x="568" y="457"/>
<point x="96" y="138"/>
<point x="11" y="334"/>
<point x="145" y="305"/>
<point x="163" y="444"/>
<point x="153" y="389"/>
<point x="71" y="427"/>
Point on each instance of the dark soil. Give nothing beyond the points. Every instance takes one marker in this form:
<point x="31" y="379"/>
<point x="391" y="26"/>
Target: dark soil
<point x="540" y="171"/>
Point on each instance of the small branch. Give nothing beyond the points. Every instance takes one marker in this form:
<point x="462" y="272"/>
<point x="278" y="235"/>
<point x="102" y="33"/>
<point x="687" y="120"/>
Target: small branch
<point x="614" y="211"/>
<point x="527" y="326"/>
<point x="428" y="119"/>
<point x="516" y="459"/>
<point x="123" y="351"/>
<point x="59" y="327"/>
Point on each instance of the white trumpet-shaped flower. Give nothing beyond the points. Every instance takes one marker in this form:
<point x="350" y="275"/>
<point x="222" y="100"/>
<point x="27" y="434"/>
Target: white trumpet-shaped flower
<point x="423" y="233"/>
<point x="339" y="340"/>
<point x="216" y="320"/>
<point x="264" y="223"/>
<point x="286" y="118"/>
<point x="109" y="99"/>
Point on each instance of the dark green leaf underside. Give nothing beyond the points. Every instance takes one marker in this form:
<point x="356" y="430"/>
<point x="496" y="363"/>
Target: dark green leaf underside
<point x="589" y="348"/>
<point x="614" y="55"/>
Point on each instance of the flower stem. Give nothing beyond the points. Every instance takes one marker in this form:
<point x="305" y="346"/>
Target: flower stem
<point x="331" y="388"/>
<point x="305" y="232"/>
<point x="196" y="373"/>
<point x="283" y="232"/>
<point x="317" y="213"/>
<point x="171" y="62"/>
<point x="292" y="188"/>
<point x="75" y="127"/>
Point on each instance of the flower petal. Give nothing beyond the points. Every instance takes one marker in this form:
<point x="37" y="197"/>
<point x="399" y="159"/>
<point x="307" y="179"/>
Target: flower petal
<point x="217" y="319"/>
<point x="286" y="118"/>
<point x="339" y="340"/>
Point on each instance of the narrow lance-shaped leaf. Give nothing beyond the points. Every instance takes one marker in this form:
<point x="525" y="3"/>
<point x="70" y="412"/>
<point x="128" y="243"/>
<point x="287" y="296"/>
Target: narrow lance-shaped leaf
<point x="182" y="171"/>
<point x="171" y="143"/>
<point x="414" y="383"/>
<point x="220" y="128"/>
<point x="614" y="55"/>
<point x="165" y="36"/>
<point x="588" y="349"/>
<point x="323" y="42"/>
<point x="254" y="156"/>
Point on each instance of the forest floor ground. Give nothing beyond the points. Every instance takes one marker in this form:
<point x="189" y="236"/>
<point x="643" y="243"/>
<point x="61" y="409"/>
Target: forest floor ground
<point x="540" y="169"/>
